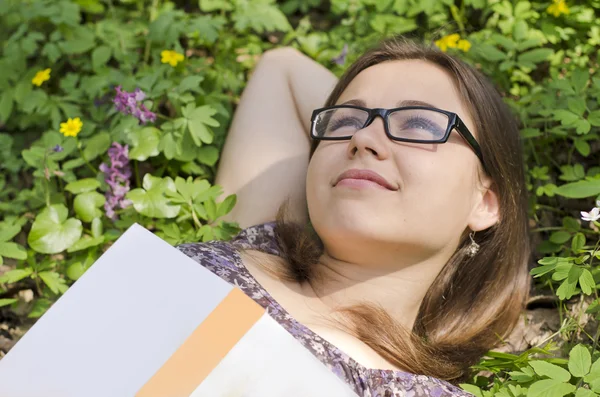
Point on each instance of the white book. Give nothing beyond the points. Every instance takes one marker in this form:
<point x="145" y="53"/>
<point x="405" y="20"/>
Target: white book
<point x="145" y="320"/>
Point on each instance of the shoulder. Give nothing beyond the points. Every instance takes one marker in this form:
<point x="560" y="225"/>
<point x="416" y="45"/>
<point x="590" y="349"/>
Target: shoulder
<point x="260" y="237"/>
<point x="213" y="255"/>
<point x="234" y="260"/>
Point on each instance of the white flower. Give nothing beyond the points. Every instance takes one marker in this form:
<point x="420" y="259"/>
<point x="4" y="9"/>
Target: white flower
<point x="591" y="216"/>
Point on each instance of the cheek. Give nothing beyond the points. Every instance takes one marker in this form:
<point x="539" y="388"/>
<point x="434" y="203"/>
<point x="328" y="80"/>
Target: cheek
<point x="438" y="189"/>
<point x="315" y="179"/>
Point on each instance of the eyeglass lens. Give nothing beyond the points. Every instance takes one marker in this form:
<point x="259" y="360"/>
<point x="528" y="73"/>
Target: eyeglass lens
<point x="417" y="124"/>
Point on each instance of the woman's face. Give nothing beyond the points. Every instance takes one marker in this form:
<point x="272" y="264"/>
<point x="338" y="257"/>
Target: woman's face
<point x="435" y="192"/>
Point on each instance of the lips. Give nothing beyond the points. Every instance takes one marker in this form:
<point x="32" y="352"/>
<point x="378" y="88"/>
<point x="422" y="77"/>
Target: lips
<point x="366" y="175"/>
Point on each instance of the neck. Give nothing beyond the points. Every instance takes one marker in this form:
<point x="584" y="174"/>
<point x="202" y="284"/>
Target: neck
<point x="398" y="286"/>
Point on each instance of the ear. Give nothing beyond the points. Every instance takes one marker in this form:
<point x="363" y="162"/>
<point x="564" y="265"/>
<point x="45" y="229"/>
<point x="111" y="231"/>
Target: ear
<point x="486" y="212"/>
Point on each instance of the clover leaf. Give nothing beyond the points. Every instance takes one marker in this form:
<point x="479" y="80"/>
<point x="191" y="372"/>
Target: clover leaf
<point x="52" y="232"/>
<point x="150" y="201"/>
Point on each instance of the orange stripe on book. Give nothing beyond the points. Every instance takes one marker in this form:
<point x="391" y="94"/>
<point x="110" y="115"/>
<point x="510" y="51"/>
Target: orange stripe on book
<point x="205" y="348"/>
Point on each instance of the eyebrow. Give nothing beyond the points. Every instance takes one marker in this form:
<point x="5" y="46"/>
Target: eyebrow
<point x="403" y="103"/>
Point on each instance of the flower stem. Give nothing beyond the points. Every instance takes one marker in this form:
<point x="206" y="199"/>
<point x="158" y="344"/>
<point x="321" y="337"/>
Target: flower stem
<point x="91" y="167"/>
<point x="138" y="182"/>
<point x="195" y="217"/>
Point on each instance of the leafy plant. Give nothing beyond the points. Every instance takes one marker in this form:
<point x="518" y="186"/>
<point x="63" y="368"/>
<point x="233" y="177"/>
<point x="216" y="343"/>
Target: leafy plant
<point x="113" y="113"/>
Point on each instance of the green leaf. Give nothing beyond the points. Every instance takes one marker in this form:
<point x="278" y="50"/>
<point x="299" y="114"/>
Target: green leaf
<point x="75" y="270"/>
<point x="168" y="146"/>
<point x="580" y="360"/>
<point x="566" y="290"/>
<point x="520" y="30"/>
<point x="582" y="147"/>
<point x="12" y="276"/>
<point x="550" y="388"/>
<point x="75" y="163"/>
<point x="490" y="53"/>
<point x="82" y="41"/>
<point x="214" y="5"/>
<point x="86" y="242"/>
<point x="580" y="189"/>
<point x="577" y="105"/>
<point x="389" y="23"/>
<point x="560" y="237"/>
<point x="582" y="126"/>
<point x="211" y="209"/>
<point x="86" y="205"/>
<point x="190" y="83"/>
<point x="83" y="185"/>
<point x="6" y="302"/>
<point x="40" y="307"/>
<point x="578" y="242"/>
<point x="226" y="206"/>
<point x="581" y="392"/>
<point x="96" y="227"/>
<point x="562" y="271"/>
<point x="587" y="284"/>
<point x="593" y="378"/>
<point x="54" y="282"/>
<point x="52" y="232"/>
<point x="571" y="224"/>
<point x="208" y="155"/>
<point x="13" y="250"/>
<point x="207" y="27"/>
<point x="259" y="15"/>
<point x="537" y="55"/>
<point x="566" y="117"/>
<point x="579" y="79"/>
<point x="6" y="106"/>
<point x="544" y="368"/>
<point x="594" y="118"/>
<point x="145" y="143"/>
<point x="100" y="56"/>
<point x="474" y="390"/>
<point x="198" y="121"/>
<point x="96" y="145"/>
<point x="8" y="232"/>
<point x="34" y="156"/>
<point x="150" y="200"/>
<point x="541" y="270"/>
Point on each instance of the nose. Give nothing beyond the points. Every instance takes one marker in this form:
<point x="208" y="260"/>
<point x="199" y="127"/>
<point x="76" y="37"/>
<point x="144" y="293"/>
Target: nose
<point x="370" y="140"/>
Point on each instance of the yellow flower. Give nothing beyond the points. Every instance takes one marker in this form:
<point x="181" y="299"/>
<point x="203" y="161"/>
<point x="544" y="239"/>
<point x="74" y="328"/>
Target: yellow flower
<point x="463" y="45"/>
<point x="40" y="77"/>
<point x="557" y="8"/>
<point x="450" y="41"/>
<point x="72" y="127"/>
<point x="171" y="57"/>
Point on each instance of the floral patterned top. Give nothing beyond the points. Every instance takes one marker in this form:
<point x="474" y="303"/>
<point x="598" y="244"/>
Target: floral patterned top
<point x="223" y="259"/>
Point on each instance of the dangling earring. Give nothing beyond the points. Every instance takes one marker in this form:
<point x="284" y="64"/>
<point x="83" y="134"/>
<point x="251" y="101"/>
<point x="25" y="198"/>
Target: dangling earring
<point x="473" y="248"/>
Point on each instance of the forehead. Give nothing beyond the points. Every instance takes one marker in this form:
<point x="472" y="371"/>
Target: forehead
<point x="385" y="84"/>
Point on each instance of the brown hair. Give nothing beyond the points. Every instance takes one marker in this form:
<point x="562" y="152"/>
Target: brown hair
<point x="474" y="301"/>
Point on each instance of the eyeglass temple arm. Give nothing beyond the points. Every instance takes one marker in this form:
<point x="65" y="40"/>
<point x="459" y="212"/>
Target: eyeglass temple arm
<point x="464" y="131"/>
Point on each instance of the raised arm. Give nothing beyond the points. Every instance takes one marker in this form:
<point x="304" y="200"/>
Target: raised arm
<point x="265" y="157"/>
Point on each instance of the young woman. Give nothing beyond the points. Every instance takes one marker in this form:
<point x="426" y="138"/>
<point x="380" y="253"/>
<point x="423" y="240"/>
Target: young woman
<point x="404" y="256"/>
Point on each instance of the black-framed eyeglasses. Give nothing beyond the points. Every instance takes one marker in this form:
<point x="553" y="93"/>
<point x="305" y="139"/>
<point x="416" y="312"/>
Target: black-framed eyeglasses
<point x="417" y="124"/>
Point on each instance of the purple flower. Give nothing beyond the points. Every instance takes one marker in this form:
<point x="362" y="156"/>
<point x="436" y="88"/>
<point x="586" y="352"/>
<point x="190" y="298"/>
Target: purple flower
<point x="131" y="103"/>
<point x="117" y="177"/>
<point x="341" y="59"/>
<point x="57" y="149"/>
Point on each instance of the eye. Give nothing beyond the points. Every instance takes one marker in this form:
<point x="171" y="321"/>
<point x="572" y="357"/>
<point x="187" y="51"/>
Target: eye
<point x="419" y="127"/>
<point x="422" y="123"/>
<point x="344" y="125"/>
<point x="345" y="122"/>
